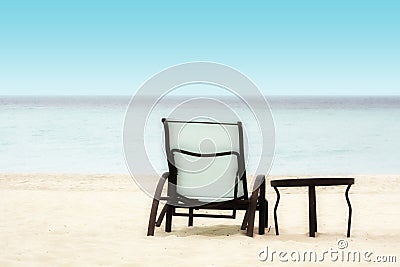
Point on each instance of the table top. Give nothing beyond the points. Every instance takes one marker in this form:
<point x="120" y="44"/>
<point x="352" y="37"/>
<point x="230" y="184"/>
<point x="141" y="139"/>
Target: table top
<point x="311" y="182"/>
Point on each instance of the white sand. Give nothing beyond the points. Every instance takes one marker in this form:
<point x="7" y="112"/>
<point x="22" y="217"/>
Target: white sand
<point x="90" y="220"/>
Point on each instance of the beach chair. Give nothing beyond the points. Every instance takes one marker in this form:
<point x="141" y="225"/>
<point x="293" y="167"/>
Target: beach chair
<point x="207" y="172"/>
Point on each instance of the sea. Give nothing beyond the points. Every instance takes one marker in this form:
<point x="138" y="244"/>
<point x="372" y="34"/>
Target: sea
<point x="314" y="135"/>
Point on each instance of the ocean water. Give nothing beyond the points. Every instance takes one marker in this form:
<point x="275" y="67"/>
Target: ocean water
<point x="314" y="135"/>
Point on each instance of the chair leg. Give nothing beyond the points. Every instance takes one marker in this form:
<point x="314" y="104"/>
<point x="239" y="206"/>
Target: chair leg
<point x="261" y="218"/>
<point x="266" y="214"/>
<point x="161" y="216"/>
<point x="252" y="213"/>
<point x="168" y="222"/>
<point x="261" y="212"/>
<point x="152" y="219"/>
<point x="154" y="206"/>
<point x="190" y="223"/>
<point x="245" y="220"/>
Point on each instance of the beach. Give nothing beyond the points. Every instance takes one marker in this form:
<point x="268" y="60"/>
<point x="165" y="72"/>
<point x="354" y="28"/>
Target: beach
<point x="67" y="198"/>
<point x="101" y="220"/>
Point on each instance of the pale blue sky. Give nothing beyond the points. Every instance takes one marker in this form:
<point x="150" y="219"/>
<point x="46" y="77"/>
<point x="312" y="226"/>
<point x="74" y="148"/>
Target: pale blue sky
<point x="285" y="47"/>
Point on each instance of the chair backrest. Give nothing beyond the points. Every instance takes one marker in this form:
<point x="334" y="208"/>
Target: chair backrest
<point x="206" y="159"/>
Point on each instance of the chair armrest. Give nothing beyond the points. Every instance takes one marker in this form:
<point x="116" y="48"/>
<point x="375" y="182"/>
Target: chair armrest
<point x="260" y="181"/>
<point x="160" y="185"/>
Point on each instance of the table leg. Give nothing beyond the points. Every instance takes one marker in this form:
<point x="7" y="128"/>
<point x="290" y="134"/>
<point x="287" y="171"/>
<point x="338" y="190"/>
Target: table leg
<point x="312" y="211"/>
<point x="315" y="212"/>
<point x="278" y="197"/>
<point x="350" y="210"/>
